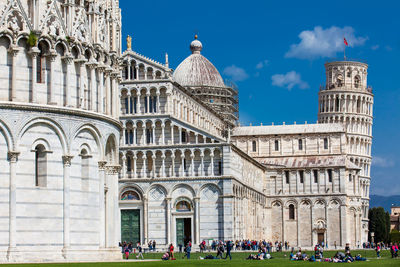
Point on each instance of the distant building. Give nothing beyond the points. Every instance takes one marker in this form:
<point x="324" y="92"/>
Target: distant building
<point x="395" y="218"/>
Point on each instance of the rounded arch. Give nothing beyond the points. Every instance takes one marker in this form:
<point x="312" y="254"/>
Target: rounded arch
<point x="165" y="191"/>
<point x="111" y="150"/>
<point x="41" y="141"/>
<point x="186" y="186"/>
<point x="276" y="203"/>
<point x="129" y="188"/>
<point x="52" y="124"/>
<point x="207" y="185"/>
<point x="291" y="202"/>
<point x="5" y="131"/>
<point x="94" y="131"/>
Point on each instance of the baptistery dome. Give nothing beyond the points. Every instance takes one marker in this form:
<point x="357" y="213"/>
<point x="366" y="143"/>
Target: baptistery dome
<point x="196" y="70"/>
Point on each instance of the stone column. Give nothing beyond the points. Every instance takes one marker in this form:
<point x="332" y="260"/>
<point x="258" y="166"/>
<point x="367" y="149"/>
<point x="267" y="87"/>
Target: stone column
<point x="128" y="103"/>
<point x="134" y="170"/>
<point x="145" y="219"/>
<point x="144" y="133"/>
<point x="158" y="101"/>
<point x="102" y="215"/>
<point x="191" y="163"/>
<point x="197" y="219"/>
<point x="137" y="72"/>
<point x="108" y="85"/>
<point x="34" y="52"/>
<point x="327" y="224"/>
<point x="153" y="157"/>
<point x="101" y="69"/>
<point x="148" y="102"/>
<point x="182" y="164"/>
<point x="68" y="59"/>
<point x="162" y="172"/>
<point x="153" y="134"/>
<point x="134" y="135"/>
<point x="197" y="138"/>
<point x="66" y="202"/>
<point x="202" y="163"/>
<point x="173" y="163"/>
<point x="12" y="158"/>
<point x="92" y="66"/>
<point x="212" y="163"/>
<point x="163" y="133"/>
<point x="168" y="204"/>
<point x="128" y="65"/>
<point x="112" y="211"/>
<point x="172" y="134"/>
<point x="138" y="102"/>
<point x="13" y="50"/>
<point x="124" y="166"/>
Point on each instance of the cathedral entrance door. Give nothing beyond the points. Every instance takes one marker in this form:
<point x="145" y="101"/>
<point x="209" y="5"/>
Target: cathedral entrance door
<point x="183" y="231"/>
<point x="321" y="238"/>
<point x="130" y="226"/>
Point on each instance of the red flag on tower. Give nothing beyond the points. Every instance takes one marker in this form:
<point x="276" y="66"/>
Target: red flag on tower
<point x="345" y="42"/>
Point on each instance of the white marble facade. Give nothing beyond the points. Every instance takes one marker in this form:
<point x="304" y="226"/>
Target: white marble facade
<point x="101" y="146"/>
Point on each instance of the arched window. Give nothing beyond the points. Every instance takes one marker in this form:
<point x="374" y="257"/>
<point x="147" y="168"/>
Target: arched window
<point x="300" y="144"/>
<point x="357" y="81"/>
<point x="85" y="169"/>
<point x="183" y="206"/>
<point x="291" y="212"/>
<point x="130" y="195"/>
<point x="129" y="164"/>
<point x="254" y="146"/>
<point x="40" y="166"/>
<point x="339" y="81"/>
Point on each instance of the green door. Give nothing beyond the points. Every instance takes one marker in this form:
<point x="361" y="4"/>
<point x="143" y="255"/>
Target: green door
<point x="130" y="226"/>
<point x="180" y="232"/>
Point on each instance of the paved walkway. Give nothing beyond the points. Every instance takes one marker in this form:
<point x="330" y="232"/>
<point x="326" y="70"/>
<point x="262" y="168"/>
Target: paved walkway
<point x="82" y="261"/>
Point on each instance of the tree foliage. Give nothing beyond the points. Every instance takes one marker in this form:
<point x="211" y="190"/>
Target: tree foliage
<point x="394" y="236"/>
<point x="379" y="223"/>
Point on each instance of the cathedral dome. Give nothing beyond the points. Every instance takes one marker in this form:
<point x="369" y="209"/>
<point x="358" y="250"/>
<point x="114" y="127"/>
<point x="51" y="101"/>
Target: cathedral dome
<point x="196" y="70"/>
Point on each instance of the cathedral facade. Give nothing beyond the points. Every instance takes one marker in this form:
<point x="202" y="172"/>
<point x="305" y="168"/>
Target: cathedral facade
<point x="101" y="145"/>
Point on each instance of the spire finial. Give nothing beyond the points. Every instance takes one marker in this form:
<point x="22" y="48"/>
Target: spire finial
<point x="195" y="36"/>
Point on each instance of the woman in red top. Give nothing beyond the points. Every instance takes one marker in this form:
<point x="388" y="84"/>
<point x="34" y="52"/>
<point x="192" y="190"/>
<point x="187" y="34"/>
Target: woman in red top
<point x="171" y="252"/>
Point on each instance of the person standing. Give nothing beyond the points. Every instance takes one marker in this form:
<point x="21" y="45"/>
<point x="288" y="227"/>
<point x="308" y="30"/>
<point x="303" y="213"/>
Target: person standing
<point x="171" y="252"/>
<point x="188" y="249"/>
<point x="140" y="254"/>
<point x="228" y="250"/>
<point x="378" y="251"/>
<point x="154" y="245"/>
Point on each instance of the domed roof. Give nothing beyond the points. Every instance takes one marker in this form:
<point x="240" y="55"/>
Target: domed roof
<point x="196" y="70"/>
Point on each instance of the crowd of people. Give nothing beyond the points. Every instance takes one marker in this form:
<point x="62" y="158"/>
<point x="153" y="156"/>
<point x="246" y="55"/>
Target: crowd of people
<point x="262" y="248"/>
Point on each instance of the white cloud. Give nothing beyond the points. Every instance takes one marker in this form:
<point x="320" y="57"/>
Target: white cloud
<point x="374" y="47"/>
<point x="235" y="73"/>
<point x="382" y="162"/>
<point x="262" y="64"/>
<point x="289" y="80"/>
<point x="321" y="42"/>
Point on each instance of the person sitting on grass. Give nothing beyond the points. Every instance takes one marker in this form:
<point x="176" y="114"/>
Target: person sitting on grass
<point x="360" y="258"/>
<point x="348" y="258"/>
<point x="165" y="257"/>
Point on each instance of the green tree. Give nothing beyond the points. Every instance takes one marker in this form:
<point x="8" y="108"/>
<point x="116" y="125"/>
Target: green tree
<point x="379" y="223"/>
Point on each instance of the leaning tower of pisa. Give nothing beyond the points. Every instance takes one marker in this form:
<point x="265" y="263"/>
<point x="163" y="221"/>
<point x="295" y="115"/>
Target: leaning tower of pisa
<point x="346" y="98"/>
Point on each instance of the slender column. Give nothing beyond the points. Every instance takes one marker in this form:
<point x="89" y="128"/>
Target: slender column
<point x="162" y="172"/>
<point x="197" y="219"/>
<point x="298" y="227"/>
<point x="34" y="52"/>
<point x="192" y="164"/>
<point x="153" y="134"/>
<point x="134" y="135"/>
<point x="134" y="165"/>
<point x="183" y="164"/>
<point x="148" y="102"/>
<point x="67" y="60"/>
<point x="158" y="101"/>
<point x="125" y="135"/>
<point x="13" y="50"/>
<point x="114" y="94"/>
<point x="129" y="70"/>
<point x="124" y="166"/>
<point x="81" y="83"/>
<point x="66" y="197"/>
<point x="137" y="72"/>
<point x="197" y="138"/>
<point x="112" y="210"/>
<point x="173" y="164"/>
<point x="144" y="134"/>
<point x="162" y="133"/>
<point x="101" y="69"/>
<point x="212" y="163"/>
<point x="93" y="92"/>
<point x="327" y="225"/>
<point x="168" y="203"/>
<point x="108" y="97"/>
<point x="172" y="134"/>
<point x="128" y="103"/>
<point x="202" y="163"/>
<point x="102" y="215"/>
<point x="138" y="102"/>
<point x="13" y="158"/>
<point x="153" y="157"/>
<point x="145" y="219"/>
<point x="144" y="165"/>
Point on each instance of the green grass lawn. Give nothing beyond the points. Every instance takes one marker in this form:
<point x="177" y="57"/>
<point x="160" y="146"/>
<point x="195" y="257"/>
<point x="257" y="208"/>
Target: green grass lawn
<point x="279" y="259"/>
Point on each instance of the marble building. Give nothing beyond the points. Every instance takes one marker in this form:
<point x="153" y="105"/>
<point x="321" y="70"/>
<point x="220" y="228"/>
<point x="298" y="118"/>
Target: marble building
<point x="102" y="145"/>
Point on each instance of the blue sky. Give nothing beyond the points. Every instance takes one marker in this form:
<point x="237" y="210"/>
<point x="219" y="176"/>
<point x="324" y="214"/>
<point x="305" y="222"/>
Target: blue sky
<point x="275" y="52"/>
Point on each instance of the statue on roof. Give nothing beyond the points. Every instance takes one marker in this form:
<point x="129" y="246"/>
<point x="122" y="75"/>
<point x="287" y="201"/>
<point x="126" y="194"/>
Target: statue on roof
<point x="129" y="42"/>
